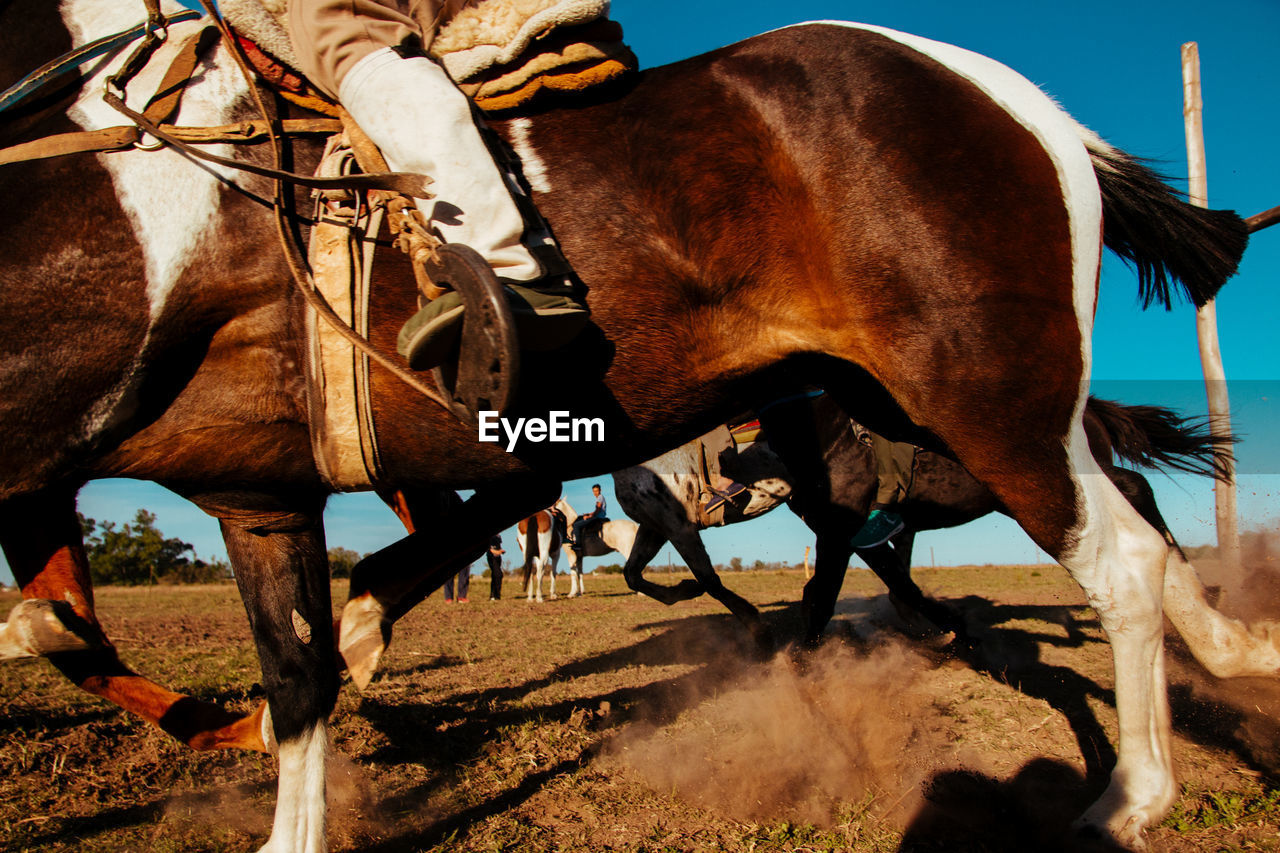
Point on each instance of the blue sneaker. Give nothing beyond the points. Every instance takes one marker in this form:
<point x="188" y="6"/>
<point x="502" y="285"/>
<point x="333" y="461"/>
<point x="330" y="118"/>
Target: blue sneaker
<point x="880" y="525"/>
<point x="719" y="498"/>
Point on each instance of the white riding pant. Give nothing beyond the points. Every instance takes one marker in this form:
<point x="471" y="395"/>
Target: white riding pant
<point x="422" y="122"/>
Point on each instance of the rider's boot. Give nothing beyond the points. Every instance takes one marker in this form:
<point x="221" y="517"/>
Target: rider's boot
<point x="412" y="110"/>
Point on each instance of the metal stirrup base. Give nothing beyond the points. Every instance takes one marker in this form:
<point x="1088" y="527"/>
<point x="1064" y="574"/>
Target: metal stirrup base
<point x="488" y="368"/>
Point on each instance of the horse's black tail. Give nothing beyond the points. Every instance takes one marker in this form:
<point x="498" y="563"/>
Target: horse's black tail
<point x="1164" y="238"/>
<point x="1153" y="437"/>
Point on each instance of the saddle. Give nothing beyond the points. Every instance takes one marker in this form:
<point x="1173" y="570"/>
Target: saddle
<point x="504" y="54"/>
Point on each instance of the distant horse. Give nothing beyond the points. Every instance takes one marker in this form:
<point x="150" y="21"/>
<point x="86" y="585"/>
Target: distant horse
<point x="786" y="205"/>
<point x="599" y="539"/>
<point x="541" y="536"/>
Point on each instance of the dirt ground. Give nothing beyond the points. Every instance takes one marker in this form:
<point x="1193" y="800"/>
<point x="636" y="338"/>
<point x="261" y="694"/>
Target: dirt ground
<point x="611" y="722"/>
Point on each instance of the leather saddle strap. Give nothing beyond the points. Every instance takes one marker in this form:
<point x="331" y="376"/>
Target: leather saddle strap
<point x="409" y="184"/>
<point x="124" y="137"/>
<point x="162" y="107"/>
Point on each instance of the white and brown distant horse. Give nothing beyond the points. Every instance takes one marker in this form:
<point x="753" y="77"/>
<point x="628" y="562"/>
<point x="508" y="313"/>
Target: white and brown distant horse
<point x="785" y="202"/>
<point x="612" y="535"/>
<point x="540" y="536"/>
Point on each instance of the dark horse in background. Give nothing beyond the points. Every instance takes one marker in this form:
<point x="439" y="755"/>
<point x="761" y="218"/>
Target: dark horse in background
<point x="810" y="457"/>
<point x="784" y="206"/>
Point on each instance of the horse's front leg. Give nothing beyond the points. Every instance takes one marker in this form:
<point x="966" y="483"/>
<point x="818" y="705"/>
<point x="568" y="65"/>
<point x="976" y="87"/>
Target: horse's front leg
<point x="649" y="542"/>
<point x="445" y="536"/>
<point x="283" y="573"/>
<point x="44" y="544"/>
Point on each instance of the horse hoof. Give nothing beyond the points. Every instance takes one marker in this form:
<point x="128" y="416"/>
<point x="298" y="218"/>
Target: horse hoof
<point x="38" y="627"/>
<point x="362" y="638"/>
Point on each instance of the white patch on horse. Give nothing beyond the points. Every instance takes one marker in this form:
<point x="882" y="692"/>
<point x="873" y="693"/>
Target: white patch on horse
<point x="171" y="201"/>
<point x="299" y="825"/>
<point x="535" y="169"/>
<point x="1116" y="556"/>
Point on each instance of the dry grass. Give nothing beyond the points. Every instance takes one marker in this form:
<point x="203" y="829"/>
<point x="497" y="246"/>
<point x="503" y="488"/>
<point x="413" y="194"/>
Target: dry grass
<point x="614" y="723"/>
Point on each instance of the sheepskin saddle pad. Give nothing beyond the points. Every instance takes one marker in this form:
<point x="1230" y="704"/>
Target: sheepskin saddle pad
<point x="502" y="53"/>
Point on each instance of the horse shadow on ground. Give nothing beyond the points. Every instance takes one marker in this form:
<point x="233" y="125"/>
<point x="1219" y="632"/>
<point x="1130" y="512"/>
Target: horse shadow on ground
<point x="22" y="721"/>
<point x="962" y="810"/>
<point x="968" y="812"/>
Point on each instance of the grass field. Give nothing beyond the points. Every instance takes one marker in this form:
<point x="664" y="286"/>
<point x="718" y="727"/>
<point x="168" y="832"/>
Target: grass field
<point x="612" y="722"/>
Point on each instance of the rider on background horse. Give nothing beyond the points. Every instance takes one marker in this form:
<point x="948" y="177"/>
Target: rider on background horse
<point x="598" y="515"/>
<point x="370" y="55"/>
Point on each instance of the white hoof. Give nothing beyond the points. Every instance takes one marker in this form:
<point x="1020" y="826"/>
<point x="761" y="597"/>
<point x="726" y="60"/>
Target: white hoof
<point x="39" y="627"/>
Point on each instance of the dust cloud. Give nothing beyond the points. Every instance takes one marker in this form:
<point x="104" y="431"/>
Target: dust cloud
<point x="249" y="808"/>
<point x="1254" y="594"/>
<point x="788" y="740"/>
<point x="1243" y="713"/>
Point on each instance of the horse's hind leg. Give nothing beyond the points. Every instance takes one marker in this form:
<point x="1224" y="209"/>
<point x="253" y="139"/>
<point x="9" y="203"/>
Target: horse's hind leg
<point x="1226" y="647"/>
<point x="890" y="566"/>
<point x="282" y="570"/>
<point x="535" y="590"/>
<point x="44" y="544"/>
<point x="1073" y="511"/>
<point x="818" y="602"/>
<point x="548" y="560"/>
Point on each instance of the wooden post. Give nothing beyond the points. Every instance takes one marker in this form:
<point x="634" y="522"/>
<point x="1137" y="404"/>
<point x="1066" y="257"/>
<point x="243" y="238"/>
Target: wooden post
<point x="1215" y="377"/>
<point x="808" y="572"/>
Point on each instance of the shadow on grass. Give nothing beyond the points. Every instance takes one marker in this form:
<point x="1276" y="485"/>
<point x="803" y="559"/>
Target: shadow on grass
<point x="963" y="811"/>
<point x="79" y="829"/>
<point x="967" y="812"/>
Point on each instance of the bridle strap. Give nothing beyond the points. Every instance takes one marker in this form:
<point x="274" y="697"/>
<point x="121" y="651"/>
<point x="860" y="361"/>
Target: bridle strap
<point x="69" y="62"/>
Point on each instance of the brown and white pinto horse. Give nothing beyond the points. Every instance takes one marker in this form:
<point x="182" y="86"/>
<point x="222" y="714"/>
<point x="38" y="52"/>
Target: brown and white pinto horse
<point x="540" y="538"/>
<point x="915" y="227"/>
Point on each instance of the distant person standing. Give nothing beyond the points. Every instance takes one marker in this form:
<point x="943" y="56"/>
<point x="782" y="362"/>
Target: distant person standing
<point x="495" y="567"/>
<point x="463" y="585"/>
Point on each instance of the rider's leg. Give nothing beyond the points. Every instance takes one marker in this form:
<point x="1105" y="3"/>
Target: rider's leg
<point x="354" y="49"/>
<point x="895" y="461"/>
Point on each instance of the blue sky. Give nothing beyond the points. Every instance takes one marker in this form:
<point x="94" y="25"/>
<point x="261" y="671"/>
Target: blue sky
<point x="1115" y="66"/>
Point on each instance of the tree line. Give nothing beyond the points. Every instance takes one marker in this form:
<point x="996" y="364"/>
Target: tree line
<point x="138" y="554"/>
